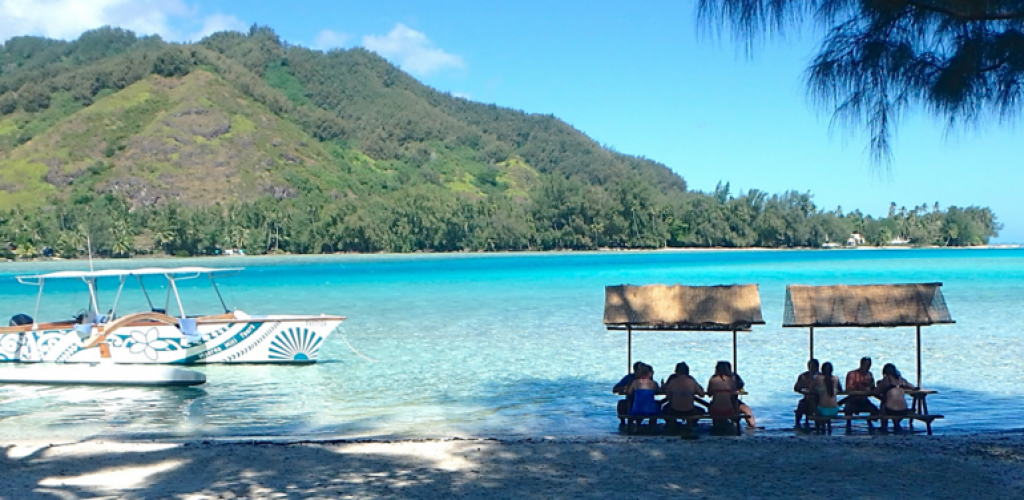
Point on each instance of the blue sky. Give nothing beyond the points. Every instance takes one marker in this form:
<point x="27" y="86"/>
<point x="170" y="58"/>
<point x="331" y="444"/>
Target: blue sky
<point x="637" y="77"/>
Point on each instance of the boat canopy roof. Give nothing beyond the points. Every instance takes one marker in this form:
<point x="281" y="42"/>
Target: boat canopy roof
<point x="145" y="271"/>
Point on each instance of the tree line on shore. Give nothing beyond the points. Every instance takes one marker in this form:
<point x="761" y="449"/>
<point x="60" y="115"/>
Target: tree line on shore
<point x="560" y="214"/>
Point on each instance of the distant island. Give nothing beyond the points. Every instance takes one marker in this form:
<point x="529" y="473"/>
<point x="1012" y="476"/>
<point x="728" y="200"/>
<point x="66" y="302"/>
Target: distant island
<point x="132" y="145"/>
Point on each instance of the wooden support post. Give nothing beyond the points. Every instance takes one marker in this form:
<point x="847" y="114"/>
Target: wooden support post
<point x="918" y="355"/>
<point x="812" y="343"/>
<point x="735" y="368"/>
<point x="629" y="350"/>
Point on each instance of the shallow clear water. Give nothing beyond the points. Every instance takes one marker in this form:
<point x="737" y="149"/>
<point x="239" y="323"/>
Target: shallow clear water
<point x="513" y="345"/>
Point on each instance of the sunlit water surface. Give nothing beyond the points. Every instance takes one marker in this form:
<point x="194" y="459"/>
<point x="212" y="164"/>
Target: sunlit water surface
<point x="513" y="345"/>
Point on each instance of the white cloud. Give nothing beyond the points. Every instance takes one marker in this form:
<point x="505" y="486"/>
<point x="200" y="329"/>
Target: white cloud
<point x="66" y="19"/>
<point x="413" y="51"/>
<point x="218" y="22"/>
<point x="462" y="95"/>
<point x="330" y="39"/>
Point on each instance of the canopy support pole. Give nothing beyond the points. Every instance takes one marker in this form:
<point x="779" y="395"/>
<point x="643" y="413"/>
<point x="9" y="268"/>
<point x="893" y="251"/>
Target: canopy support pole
<point x="735" y="368"/>
<point x="222" y="304"/>
<point x="113" y="308"/>
<point x="144" y="292"/>
<point x="918" y="343"/>
<point x="177" y="296"/>
<point x="39" y="299"/>
<point x="92" y="295"/>
<point x="812" y="342"/>
<point x="629" y="350"/>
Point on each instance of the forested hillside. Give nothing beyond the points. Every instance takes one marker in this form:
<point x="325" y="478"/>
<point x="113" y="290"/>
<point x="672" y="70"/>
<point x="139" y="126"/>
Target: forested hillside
<point x="244" y="141"/>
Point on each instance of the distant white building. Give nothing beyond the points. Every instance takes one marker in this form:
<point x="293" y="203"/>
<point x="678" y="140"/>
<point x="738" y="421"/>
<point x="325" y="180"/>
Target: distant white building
<point x="899" y="240"/>
<point x="855" y="239"/>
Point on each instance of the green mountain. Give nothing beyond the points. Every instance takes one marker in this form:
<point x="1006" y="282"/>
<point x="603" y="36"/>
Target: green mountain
<point x="236" y="117"/>
<point x="242" y="140"/>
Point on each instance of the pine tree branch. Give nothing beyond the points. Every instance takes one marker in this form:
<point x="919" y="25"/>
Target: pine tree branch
<point x="965" y="16"/>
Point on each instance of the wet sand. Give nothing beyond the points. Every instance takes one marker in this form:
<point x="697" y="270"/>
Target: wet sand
<point x="747" y="467"/>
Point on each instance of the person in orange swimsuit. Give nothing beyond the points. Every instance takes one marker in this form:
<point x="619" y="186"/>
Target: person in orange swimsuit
<point x="722" y="388"/>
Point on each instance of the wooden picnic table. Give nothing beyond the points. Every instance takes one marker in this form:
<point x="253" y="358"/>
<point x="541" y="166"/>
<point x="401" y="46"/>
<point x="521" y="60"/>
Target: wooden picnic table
<point x="661" y="392"/>
<point x="918" y="410"/>
<point x="919" y="406"/>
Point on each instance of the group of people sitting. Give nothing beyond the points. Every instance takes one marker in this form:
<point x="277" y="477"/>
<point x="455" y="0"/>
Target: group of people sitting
<point x="820" y="389"/>
<point x="683" y="395"/>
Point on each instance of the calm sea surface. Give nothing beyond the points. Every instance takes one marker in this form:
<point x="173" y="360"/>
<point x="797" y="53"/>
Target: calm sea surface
<point x="513" y="345"/>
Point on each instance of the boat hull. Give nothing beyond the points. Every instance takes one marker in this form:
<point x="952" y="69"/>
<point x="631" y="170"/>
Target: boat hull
<point x="101" y="374"/>
<point x="269" y="340"/>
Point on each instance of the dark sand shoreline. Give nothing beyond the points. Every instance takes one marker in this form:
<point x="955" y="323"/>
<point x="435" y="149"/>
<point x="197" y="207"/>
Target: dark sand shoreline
<point x="747" y="467"/>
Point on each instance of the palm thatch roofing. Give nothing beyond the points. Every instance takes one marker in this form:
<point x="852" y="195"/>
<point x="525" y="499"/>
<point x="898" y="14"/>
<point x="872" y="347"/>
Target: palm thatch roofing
<point x="913" y="304"/>
<point x="677" y="307"/>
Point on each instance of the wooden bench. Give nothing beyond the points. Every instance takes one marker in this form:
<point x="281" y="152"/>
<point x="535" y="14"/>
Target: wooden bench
<point x="631" y="419"/>
<point x="827" y="421"/>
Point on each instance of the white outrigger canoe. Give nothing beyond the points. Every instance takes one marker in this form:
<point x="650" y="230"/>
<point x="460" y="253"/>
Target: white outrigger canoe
<point x="154" y="337"/>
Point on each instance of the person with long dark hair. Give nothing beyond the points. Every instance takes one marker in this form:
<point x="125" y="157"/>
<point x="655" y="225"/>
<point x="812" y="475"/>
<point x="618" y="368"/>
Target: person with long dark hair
<point x="892" y="389"/>
<point x="722" y="388"/>
<point x="827" y="386"/>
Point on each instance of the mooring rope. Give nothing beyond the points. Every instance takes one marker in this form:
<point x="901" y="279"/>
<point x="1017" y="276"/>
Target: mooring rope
<point x="353" y="348"/>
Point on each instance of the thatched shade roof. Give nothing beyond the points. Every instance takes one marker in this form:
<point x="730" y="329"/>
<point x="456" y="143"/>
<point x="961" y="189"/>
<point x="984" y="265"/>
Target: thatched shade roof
<point x="665" y="307"/>
<point x="916" y="304"/>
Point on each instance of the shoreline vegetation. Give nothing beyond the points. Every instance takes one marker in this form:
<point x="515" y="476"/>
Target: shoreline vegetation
<point x="996" y="246"/>
<point x="244" y="141"/>
<point x="108" y="226"/>
<point x="607" y="467"/>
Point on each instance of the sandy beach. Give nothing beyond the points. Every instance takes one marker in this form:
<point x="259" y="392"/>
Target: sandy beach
<point x="747" y="467"/>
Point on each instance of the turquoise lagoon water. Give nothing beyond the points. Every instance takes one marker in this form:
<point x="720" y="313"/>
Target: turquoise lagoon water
<point x="513" y="345"/>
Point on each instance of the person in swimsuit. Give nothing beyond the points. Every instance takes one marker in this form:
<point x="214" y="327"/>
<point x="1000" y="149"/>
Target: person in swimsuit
<point x="803" y="386"/>
<point x="722" y="388"/>
<point x="826" y="386"/>
<point x="681" y="391"/>
<point x="643" y="390"/>
<point x="624" y="405"/>
<point x="860" y="379"/>
<point x="892" y="391"/>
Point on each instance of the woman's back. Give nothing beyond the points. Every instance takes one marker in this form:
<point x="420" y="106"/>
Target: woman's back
<point x="643" y="390"/>
<point x="722" y="388"/>
<point x="894" y="396"/>
<point x="827" y="395"/>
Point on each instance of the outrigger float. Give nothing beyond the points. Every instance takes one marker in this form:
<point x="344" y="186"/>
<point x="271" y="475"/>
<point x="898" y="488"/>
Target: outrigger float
<point x="154" y="337"/>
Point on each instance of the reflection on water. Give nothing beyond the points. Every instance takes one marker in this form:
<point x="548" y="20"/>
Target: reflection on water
<point x="495" y="346"/>
<point x="40" y="411"/>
